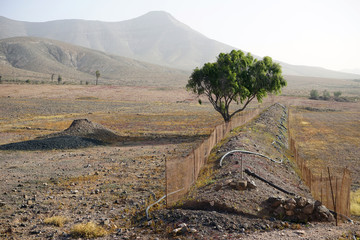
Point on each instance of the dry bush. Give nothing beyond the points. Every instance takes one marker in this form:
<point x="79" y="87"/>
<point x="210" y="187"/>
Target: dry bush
<point x="58" y="221"/>
<point x="87" y="230"/>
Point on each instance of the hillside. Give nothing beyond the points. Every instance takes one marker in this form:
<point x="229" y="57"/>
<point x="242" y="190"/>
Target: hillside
<point x="38" y="58"/>
<point x="156" y="37"/>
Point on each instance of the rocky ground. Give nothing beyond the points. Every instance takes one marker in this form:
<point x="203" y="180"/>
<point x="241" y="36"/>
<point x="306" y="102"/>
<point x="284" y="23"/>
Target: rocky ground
<point x="113" y="179"/>
<point x="234" y="206"/>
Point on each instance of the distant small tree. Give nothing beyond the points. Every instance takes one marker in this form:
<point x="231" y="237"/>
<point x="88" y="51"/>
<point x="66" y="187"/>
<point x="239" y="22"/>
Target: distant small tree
<point x="326" y="95"/>
<point x="337" y="94"/>
<point x="0" y="79"/>
<point x="59" y="79"/>
<point x="52" y="77"/>
<point x="27" y="81"/>
<point x="97" y="74"/>
<point x="314" y="94"/>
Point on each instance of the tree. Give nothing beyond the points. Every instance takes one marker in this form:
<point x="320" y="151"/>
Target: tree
<point x="314" y="94"/>
<point x="52" y="77"/>
<point x="0" y="79"/>
<point x="326" y="95"/>
<point x="59" y="79"/>
<point x="236" y="77"/>
<point x="337" y="94"/>
<point x="97" y="74"/>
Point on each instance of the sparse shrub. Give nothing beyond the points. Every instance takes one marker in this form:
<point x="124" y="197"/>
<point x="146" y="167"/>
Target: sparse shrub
<point x="87" y="83"/>
<point x="58" y="221"/>
<point x="337" y="94"/>
<point x="314" y="94"/>
<point x="88" y="230"/>
<point x="27" y="81"/>
<point x="0" y="79"/>
<point x="59" y="79"/>
<point x="326" y="95"/>
<point x="81" y="82"/>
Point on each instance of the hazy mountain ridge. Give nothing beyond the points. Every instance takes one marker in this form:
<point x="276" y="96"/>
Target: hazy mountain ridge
<point x="74" y="63"/>
<point x="155" y="37"/>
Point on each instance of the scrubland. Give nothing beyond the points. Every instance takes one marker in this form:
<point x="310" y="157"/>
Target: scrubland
<point x="61" y="192"/>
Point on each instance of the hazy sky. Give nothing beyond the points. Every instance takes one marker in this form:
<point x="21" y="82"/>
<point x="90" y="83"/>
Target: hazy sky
<point x="323" y="33"/>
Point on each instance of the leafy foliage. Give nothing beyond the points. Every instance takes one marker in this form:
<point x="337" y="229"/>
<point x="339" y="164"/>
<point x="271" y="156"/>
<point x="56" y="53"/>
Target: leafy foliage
<point x="59" y="79"/>
<point x="326" y="95"/>
<point x="337" y="94"/>
<point x="236" y="77"/>
<point x="314" y="94"/>
<point x="97" y="74"/>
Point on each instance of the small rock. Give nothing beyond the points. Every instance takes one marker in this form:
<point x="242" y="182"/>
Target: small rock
<point x="176" y="230"/>
<point x="182" y="225"/>
<point x="193" y="230"/>
<point x="251" y="184"/>
<point x="241" y="185"/>
<point x="289" y="206"/>
<point x="29" y="202"/>
<point x="308" y="209"/>
<point x="34" y="232"/>
<point x="275" y="201"/>
<point x="218" y="187"/>
<point x="289" y="213"/>
<point x="300" y="202"/>
<point x="299" y="232"/>
<point x="228" y="181"/>
<point x="106" y="222"/>
<point x="279" y="211"/>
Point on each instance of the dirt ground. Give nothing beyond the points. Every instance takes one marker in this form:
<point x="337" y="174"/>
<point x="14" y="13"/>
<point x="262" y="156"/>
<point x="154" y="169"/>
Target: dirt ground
<point x="110" y="185"/>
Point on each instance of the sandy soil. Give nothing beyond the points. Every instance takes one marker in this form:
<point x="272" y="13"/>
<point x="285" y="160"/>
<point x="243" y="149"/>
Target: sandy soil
<point x="110" y="185"/>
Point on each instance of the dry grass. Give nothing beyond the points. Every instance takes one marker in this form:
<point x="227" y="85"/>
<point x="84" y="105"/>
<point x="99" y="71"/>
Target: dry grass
<point x="58" y="221"/>
<point x="328" y="136"/>
<point x="355" y="203"/>
<point x="87" y="230"/>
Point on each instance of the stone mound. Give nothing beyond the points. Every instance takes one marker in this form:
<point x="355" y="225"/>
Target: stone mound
<point x="86" y="128"/>
<point x="81" y="133"/>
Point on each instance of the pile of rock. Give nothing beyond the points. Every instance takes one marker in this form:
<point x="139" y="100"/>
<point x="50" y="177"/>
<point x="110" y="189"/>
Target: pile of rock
<point x="298" y="209"/>
<point x="240" y="185"/>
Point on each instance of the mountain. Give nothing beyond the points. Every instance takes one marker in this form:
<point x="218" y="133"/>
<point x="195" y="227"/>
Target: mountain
<point x="156" y="37"/>
<point x="308" y="71"/>
<point x="352" y="70"/>
<point x="39" y="58"/>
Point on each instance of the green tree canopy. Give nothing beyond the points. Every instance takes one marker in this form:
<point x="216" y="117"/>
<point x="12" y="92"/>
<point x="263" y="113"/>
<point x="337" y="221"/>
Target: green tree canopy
<point x="97" y="74"/>
<point x="59" y="79"/>
<point x="236" y="77"/>
<point x="314" y="94"/>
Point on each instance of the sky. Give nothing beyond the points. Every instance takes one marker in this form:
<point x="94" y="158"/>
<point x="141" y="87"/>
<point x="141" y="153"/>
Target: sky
<point x="323" y="33"/>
